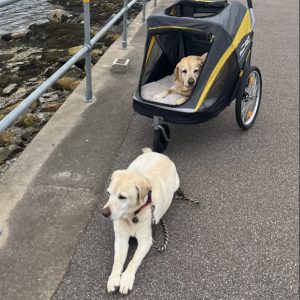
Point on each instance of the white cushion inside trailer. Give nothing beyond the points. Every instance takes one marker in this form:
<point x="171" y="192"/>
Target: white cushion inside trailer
<point x="151" y="89"/>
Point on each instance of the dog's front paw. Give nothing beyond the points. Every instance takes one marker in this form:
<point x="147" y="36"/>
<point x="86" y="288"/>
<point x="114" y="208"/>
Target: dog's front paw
<point x="126" y="282"/>
<point x="113" y="282"/>
<point x="156" y="97"/>
<point x="160" y="96"/>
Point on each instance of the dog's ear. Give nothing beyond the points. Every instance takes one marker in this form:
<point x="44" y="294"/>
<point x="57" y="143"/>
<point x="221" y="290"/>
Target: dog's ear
<point x="176" y="72"/>
<point x="203" y="58"/>
<point x="143" y="187"/>
<point x="117" y="173"/>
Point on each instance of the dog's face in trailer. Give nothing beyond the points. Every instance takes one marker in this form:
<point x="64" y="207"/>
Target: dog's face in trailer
<point x="188" y="70"/>
<point x="127" y="191"/>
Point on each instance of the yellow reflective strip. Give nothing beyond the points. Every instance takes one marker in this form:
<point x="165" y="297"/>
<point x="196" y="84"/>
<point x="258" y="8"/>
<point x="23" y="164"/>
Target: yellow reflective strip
<point x="152" y="42"/>
<point x="175" y="27"/>
<point x="86" y="1"/>
<point x="214" y="74"/>
<point x="244" y="29"/>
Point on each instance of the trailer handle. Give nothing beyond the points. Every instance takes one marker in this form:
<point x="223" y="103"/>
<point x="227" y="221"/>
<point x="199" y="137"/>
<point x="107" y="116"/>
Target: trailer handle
<point x="250" y="6"/>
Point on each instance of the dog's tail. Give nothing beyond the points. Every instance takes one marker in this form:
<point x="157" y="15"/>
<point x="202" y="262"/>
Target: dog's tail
<point x="146" y="150"/>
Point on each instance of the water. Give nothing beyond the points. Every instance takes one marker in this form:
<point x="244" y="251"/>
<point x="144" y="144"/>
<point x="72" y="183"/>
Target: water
<point x="18" y="16"/>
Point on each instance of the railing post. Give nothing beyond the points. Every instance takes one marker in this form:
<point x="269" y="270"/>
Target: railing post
<point x="144" y="11"/>
<point x="155" y="3"/>
<point x="87" y="42"/>
<point x="125" y="17"/>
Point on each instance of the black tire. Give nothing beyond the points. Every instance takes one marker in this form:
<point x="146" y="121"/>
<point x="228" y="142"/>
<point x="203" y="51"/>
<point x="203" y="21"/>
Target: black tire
<point x="243" y="97"/>
<point x="159" y="142"/>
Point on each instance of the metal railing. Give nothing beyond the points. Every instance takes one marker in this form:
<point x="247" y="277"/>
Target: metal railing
<point x="85" y="51"/>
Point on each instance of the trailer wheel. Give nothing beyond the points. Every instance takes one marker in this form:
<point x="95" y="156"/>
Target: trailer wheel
<point x="160" y="142"/>
<point x="248" y="98"/>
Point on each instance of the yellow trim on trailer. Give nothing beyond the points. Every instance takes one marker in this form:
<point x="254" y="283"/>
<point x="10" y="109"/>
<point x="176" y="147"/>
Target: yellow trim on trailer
<point x="244" y="29"/>
<point x="174" y="27"/>
<point x="152" y="42"/>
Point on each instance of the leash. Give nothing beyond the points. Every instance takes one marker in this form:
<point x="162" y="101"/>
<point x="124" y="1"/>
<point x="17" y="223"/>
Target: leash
<point x="178" y="195"/>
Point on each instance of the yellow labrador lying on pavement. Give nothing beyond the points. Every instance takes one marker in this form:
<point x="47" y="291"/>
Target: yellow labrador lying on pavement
<point x="186" y="74"/>
<point x="151" y="179"/>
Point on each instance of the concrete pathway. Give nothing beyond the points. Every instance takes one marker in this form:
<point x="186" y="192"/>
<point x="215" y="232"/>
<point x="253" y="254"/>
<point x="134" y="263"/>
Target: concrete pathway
<point x="240" y="243"/>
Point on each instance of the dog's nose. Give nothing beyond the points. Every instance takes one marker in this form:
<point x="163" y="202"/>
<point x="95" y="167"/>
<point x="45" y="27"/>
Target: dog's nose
<point x="106" y="212"/>
<point x="191" y="81"/>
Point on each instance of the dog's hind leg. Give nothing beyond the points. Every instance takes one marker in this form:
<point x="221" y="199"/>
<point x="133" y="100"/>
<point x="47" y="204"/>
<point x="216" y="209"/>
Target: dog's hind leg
<point x="181" y="100"/>
<point x="128" y="277"/>
<point x="121" y="249"/>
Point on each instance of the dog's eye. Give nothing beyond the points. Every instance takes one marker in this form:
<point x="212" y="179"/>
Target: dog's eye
<point x="121" y="197"/>
<point x="196" y="71"/>
<point x="184" y="71"/>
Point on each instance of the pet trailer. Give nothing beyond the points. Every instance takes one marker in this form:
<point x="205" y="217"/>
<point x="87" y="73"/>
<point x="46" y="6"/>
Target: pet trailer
<point x="222" y="29"/>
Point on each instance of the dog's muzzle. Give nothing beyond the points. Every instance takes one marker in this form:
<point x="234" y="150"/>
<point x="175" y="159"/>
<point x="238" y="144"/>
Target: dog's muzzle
<point x="191" y="82"/>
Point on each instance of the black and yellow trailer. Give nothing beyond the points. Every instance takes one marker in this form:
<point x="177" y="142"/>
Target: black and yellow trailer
<point x="222" y="29"/>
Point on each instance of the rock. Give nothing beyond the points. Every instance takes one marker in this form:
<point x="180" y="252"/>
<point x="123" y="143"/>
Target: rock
<point x="96" y="53"/>
<point x="117" y="28"/>
<point x="109" y="6"/>
<point x="7" y="152"/>
<point x="74" y="50"/>
<point x="109" y="38"/>
<point x="35" y="105"/>
<point x="10" y="89"/>
<point x="53" y="107"/>
<point x="21" y="93"/>
<point x="2" y="116"/>
<point x="6" y="138"/>
<point x="64" y="59"/>
<point x="74" y="72"/>
<point x="18" y="35"/>
<point x="6" y="37"/>
<point x="15" y="70"/>
<point x="9" y="108"/>
<point x="34" y="79"/>
<point x="29" y="120"/>
<point x="52" y="55"/>
<point x="81" y="17"/>
<point x="51" y="70"/>
<point x="58" y="16"/>
<point x="94" y="30"/>
<point x="49" y="97"/>
<point x="29" y="134"/>
<point x="67" y="83"/>
<point x="71" y="79"/>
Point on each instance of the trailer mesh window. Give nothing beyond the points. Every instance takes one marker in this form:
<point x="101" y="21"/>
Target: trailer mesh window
<point x="167" y="49"/>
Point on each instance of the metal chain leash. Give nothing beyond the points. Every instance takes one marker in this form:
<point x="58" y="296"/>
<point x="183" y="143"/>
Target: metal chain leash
<point x="166" y="238"/>
<point x="179" y="195"/>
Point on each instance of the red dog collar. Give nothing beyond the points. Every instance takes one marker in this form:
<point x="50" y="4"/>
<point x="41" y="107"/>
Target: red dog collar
<point x="149" y="201"/>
